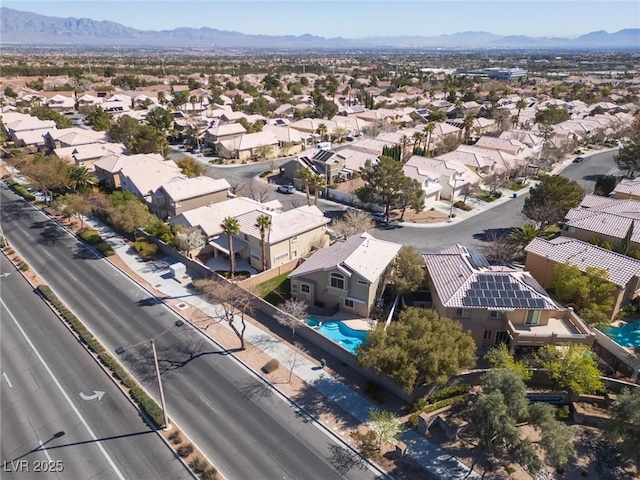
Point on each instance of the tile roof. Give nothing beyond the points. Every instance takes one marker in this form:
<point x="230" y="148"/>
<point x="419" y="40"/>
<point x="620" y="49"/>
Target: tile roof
<point x="113" y="163"/>
<point x="463" y="279"/>
<point x="628" y="186"/>
<point x="184" y="188"/>
<point x="283" y="225"/>
<point x="620" y="268"/>
<point x="90" y="151"/>
<point x="362" y="254"/>
<point x="604" y="223"/>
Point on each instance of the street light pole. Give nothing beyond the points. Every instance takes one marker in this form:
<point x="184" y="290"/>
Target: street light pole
<point x="453" y="194"/>
<point x="167" y="425"/>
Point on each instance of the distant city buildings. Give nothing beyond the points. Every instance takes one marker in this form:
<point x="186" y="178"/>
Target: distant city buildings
<point x="505" y="74"/>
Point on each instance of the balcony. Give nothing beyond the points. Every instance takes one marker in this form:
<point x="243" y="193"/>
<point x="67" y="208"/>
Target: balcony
<point x="569" y="329"/>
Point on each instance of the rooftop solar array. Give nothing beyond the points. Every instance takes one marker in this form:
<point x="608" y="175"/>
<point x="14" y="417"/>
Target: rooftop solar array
<point x="500" y="291"/>
<point x="323" y="155"/>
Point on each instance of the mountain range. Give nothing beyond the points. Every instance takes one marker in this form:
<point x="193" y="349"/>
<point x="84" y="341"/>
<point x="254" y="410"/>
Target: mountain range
<point x="26" y="28"/>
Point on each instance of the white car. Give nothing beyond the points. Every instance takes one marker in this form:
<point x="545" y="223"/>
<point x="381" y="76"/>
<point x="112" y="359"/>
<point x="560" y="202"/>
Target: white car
<point x="286" y="189"/>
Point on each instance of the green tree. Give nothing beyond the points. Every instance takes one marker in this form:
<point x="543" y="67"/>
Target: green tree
<point x="263" y="224"/>
<point x="190" y="167"/>
<point x="318" y="182"/>
<point x="572" y="367"/>
<point x="45" y="113"/>
<point x="625" y="423"/>
<point x="149" y="140"/>
<point x="512" y="387"/>
<point x="494" y="424"/>
<point x="75" y="204"/>
<point x="559" y="192"/>
<point x="605" y="185"/>
<point x="557" y="439"/>
<point x="386" y="426"/>
<point x="81" y="179"/>
<point x="500" y="357"/>
<point x="417" y="349"/>
<point x="98" y="119"/>
<point x="467" y="124"/>
<point x="322" y="131"/>
<point x="385" y="182"/>
<point x="408" y="271"/>
<point x="629" y="154"/>
<point x="231" y="227"/>
<point x="428" y="131"/>
<point x="124" y="130"/>
<point x="412" y="195"/>
<point x="160" y="119"/>
<point x="520" y="104"/>
<point x="552" y="115"/>
<point x="48" y="174"/>
<point x="589" y="291"/>
<point x="129" y="216"/>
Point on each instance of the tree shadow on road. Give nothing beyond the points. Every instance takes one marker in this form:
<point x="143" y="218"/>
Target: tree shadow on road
<point x="491" y="234"/>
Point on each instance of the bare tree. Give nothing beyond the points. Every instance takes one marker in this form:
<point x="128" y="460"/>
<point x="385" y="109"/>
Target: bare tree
<point x="236" y="185"/>
<point x="499" y="249"/>
<point x="293" y="359"/>
<point x="190" y="238"/>
<point x="235" y="303"/>
<point x="293" y="312"/>
<point x="295" y="203"/>
<point x="353" y="223"/>
<point x="259" y="191"/>
<point x="541" y="215"/>
<point x="494" y="182"/>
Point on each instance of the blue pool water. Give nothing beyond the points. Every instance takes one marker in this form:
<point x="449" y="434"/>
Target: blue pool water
<point x="334" y="330"/>
<point x="628" y="335"/>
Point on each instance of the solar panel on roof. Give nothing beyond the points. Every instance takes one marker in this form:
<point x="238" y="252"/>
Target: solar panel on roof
<point x="484" y="301"/>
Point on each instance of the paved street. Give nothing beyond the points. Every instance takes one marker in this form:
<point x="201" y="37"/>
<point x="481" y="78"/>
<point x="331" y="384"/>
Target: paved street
<point x="48" y="429"/>
<point x="246" y="429"/>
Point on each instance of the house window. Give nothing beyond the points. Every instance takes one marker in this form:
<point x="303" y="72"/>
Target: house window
<point x="304" y="288"/>
<point x="497" y="314"/>
<point x="487" y="334"/>
<point x="463" y="313"/>
<point x="337" y="281"/>
<point x="294" y="239"/>
<point x="246" y="237"/>
<point x="533" y="317"/>
<point x="348" y="303"/>
<point x="294" y="254"/>
<point x="281" y="257"/>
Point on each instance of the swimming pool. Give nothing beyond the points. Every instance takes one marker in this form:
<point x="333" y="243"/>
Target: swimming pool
<point x="628" y="335"/>
<point x="338" y="332"/>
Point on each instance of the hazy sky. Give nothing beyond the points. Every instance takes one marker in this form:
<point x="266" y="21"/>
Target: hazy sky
<point x="356" y="18"/>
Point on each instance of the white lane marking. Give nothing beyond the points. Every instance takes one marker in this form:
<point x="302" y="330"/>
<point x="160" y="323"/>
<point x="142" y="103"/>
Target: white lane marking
<point x="7" y="379"/>
<point x="45" y="451"/>
<point x="208" y="405"/>
<point x="64" y="394"/>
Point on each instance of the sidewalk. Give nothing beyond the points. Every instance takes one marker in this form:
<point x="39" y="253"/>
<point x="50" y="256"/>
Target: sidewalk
<point x="156" y="275"/>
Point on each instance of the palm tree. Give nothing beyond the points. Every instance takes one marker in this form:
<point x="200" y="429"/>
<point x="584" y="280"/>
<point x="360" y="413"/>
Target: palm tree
<point x="306" y="175"/>
<point x="231" y="227"/>
<point x="428" y="130"/>
<point x="404" y="139"/>
<point x="162" y="98"/>
<point x="263" y="223"/>
<point x="418" y="137"/>
<point x="81" y="178"/>
<point x="318" y="182"/>
<point x="520" y="104"/>
<point x="193" y="100"/>
<point x="466" y="125"/>
<point x="340" y="133"/>
<point x="322" y="131"/>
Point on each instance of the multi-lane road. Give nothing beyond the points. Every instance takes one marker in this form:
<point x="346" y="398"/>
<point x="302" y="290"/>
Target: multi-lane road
<point x="244" y="427"/>
<point x="62" y="416"/>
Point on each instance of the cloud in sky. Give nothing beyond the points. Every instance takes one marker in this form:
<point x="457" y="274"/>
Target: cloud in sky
<point x="355" y="18"/>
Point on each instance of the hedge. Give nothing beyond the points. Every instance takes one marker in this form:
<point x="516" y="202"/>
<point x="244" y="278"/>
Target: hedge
<point x="91" y="236"/>
<point x="463" y="206"/>
<point x="444" y="403"/>
<point x="23" y="192"/>
<point x="105" y="249"/>
<point x="145" y="249"/>
<point x="146" y="403"/>
<point x="448" y="392"/>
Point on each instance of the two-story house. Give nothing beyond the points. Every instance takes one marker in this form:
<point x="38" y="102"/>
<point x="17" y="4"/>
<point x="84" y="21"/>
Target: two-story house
<point x="349" y="275"/>
<point x="623" y="271"/>
<point x="498" y="304"/>
<point x="182" y="194"/>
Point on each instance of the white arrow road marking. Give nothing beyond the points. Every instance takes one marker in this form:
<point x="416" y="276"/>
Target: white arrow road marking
<point x="7" y="379"/>
<point x="5" y="274"/>
<point x="64" y="393"/>
<point x="96" y="394"/>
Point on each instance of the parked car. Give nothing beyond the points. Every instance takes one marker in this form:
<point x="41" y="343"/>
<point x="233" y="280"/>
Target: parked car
<point x="286" y="188"/>
<point x="378" y="217"/>
<point x="578" y="159"/>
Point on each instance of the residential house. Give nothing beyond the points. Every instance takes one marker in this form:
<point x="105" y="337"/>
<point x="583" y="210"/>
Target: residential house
<point x="85" y="155"/>
<point x="289" y="139"/>
<point x="505" y="162"/>
<point x="440" y="178"/>
<point x="220" y="133"/>
<point x="349" y="275"/>
<point x="146" y="174"/>
<point x="62" y="103"/>
<point x="72" y="137"/>
<point x="15" y="122"/>
<point x="475" y="161"/>
<point x="623" y="271"/>
<point x="293" y="234"/>
<point x="182" y="194"/>
<point x="108" y="168"/>
<point x="250" y="146"/>
<point x="628" y="188"/>
<point x="498" y="304"/>
<point x="510" y="146"/>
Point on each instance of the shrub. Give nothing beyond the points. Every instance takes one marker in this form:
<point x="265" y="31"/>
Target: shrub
<point x="414" y="420"/>
<point x="185" y="450"/>
<point x="175" y="437"/>
<point x="562" y="413"/>
<point x="463" y="206"/>
<point x="198" y="464"/>
<point x="417" y="405"/>
<point x="496" y="194"/>
<point x="264" y="174"/>
<point x="444" y="403"/>
<point x="509" y="469"/>
<point x="23" y="266"/>
<point x="145" y="249"/>
<point x="607" y="245"/>
<point x="3" y="242"/>
<point x="23" y="192"/>
<point x="594" y="241"/>
<point x="448" y="392"/>
<point x="91" y="236"/>
<point x="271" y="366"/>
<point x="105" y="249"/>
<point x="367" y="443"/>
<point x="210" y="474"/>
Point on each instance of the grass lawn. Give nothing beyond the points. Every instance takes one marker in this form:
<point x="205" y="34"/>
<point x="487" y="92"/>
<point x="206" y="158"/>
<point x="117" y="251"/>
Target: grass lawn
<point x="277" y="290"/>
